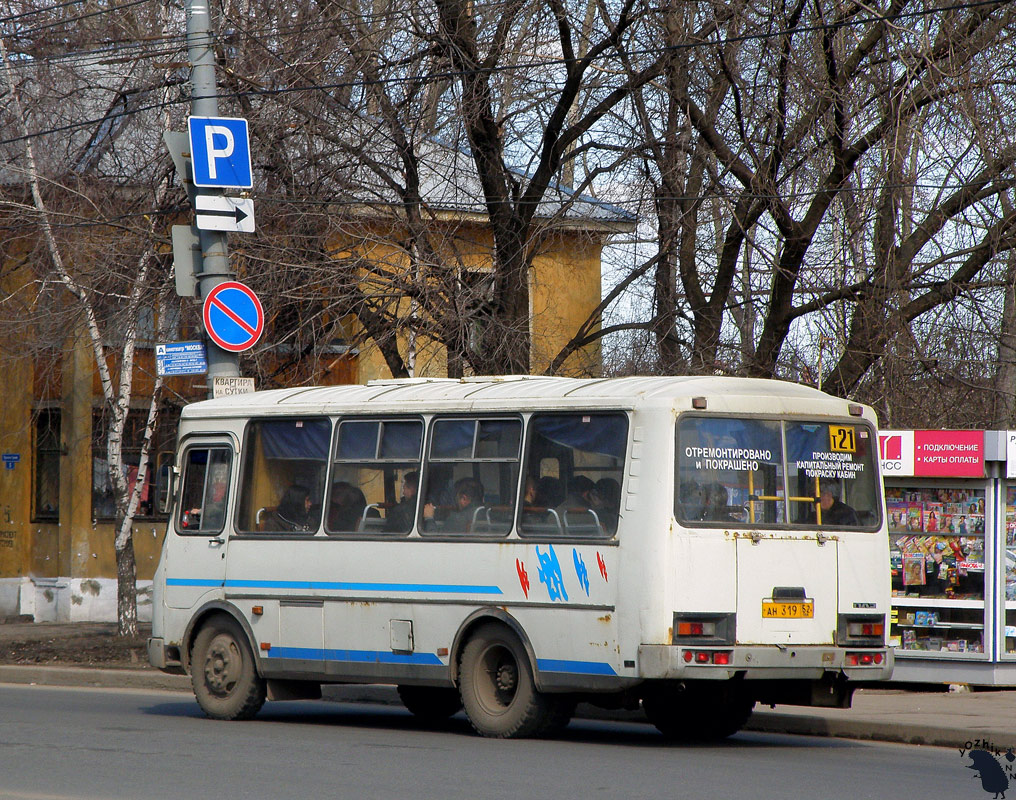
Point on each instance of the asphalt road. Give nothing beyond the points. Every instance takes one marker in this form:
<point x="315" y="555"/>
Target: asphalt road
<point x="63" y="744"/>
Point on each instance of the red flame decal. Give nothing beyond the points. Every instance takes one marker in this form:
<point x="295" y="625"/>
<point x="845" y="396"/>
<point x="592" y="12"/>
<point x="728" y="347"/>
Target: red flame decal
<point x="523" y="577"/>
<point x="602" y="565"/>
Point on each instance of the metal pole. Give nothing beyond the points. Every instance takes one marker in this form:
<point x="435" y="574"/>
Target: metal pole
<point x="204" y="103"/>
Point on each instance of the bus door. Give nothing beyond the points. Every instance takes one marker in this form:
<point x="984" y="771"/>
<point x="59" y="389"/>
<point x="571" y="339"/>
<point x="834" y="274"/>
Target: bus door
<point x="786" y="590"/>
<point x="196" y="557"/>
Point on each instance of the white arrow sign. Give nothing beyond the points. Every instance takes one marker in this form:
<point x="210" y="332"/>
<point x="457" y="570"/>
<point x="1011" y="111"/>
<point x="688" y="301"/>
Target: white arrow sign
<point x="224" y="213"/>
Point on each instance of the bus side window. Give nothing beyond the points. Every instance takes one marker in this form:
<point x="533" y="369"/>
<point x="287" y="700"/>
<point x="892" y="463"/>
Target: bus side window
<point x="204" y="491"/>
<point x="574" y="467"/>
<point x="375" y="476"/>
<point x="284" y="467"/>
<point x="471" y="476"/>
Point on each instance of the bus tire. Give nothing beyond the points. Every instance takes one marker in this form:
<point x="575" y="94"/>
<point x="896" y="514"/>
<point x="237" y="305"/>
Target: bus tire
<point x="559" y="715"/>
<point x="497" y="688"/>
<point x="225" y="682"/>
<point x="430" y="703"/>
<point x="697" y="714"/>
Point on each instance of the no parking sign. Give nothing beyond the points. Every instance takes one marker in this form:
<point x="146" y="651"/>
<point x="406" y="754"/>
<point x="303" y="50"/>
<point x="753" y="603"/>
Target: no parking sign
<point x="233" y="316"/>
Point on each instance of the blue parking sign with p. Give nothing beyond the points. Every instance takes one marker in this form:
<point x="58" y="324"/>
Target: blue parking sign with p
<point x="220" y="152"/>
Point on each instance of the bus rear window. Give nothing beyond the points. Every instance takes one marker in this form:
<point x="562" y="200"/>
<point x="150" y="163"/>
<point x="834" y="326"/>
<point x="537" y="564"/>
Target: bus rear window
<point x="752" y="471"/>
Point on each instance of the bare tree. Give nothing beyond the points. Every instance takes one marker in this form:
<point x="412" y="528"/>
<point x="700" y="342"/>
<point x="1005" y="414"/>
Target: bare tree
<point x="78" y="202"/>
<point x="855" y="157"/>
<point x="404" y="140"/>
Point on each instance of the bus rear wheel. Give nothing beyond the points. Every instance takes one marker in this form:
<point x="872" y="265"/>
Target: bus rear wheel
<point x="497" y="688"/>
<point x="225" y="681"/>
<point x="430" y="703"/>
<point x="700" y="713"/>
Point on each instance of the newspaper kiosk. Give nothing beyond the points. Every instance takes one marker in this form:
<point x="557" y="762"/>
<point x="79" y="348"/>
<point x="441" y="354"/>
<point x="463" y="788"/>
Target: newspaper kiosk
<point x="951" y="505"/>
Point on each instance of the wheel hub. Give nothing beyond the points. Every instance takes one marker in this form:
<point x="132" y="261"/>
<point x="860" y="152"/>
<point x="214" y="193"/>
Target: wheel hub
<point x="506" y="678"/>
<point x="220" y="666"/>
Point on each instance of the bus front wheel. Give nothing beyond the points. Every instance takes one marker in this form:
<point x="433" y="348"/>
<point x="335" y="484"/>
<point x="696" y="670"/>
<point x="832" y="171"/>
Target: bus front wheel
<point x="225" y="681"/>
<point x="497" y="688"/>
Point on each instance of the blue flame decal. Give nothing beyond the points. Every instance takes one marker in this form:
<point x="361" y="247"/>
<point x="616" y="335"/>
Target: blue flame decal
<point x="550" y="573"/>
<point x="580" y="570"/>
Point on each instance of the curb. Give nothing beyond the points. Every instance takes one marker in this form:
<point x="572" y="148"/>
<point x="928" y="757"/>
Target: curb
<point x="867" y="730"/>
<point x="93" y="678"/>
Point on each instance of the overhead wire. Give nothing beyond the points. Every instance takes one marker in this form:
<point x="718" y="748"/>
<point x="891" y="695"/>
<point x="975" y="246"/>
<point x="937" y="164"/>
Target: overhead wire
<point x="535" y="64"/>
<point x="450" y="74"/>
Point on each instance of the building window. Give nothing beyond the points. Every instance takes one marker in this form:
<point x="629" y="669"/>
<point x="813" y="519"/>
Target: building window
<point x="47" y="464"/>
<point x="103" y="500"/>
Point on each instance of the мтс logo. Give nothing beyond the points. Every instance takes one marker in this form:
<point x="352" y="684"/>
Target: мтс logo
<point x="890" y="448"/>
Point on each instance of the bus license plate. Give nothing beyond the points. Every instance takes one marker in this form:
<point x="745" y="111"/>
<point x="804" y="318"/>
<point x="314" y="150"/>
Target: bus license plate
<point x="788" y="610"/>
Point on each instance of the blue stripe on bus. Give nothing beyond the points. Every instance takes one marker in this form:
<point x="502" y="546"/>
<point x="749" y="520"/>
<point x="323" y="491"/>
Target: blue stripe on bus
<point x="192" y="582"/>
<point x="416" y="588"/>
<point x="582" y="667"/>
<point x="355" y="656"/>
<point x="425" y="659"/>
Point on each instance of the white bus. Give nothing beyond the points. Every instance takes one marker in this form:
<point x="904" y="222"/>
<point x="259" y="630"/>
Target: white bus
<point x="511" y="546"/>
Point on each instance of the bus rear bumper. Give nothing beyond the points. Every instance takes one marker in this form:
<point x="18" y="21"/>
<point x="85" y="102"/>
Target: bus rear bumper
<point x="763" y="662"/>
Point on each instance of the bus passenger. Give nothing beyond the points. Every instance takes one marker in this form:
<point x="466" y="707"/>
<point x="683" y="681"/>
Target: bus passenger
<point x="549" y="493"/>
<point x="345" y="508"/>
<point x="400" y="517"/>
<point x="529" y="497"/>
<point x="692" y="500"/>
<point x="581" y="509"/>
<point x="468" y="494"/>
<point x="834" y="510"/>
<point x="716" y="504"/>
<point x="293" y="512"/>
<point x="534" y="512"/>
<point x="608" y="491"/>
<point x="582" y="495"/>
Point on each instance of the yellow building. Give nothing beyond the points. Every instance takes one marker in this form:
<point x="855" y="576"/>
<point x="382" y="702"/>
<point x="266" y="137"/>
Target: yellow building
<point x="56" y="528"/>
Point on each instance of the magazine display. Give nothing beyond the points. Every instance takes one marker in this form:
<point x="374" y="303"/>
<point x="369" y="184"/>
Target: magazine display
<point x="936" y="540"/>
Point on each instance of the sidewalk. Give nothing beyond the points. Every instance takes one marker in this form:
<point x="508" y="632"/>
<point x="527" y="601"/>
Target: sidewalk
<point x="943" y="719"/>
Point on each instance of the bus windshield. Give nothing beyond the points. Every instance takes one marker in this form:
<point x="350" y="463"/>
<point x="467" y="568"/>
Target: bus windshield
<point x="765" y="472"/>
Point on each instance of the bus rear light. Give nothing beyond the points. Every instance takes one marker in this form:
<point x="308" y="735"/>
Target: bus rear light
<point x="696" y="628"/>
<point x="703" y="628"/>
<point x="266" y="646"/>
<point x="862" y="659"/>
<point x="853" y="630"/>
<point x="718" y="657"/>
<point x="865" y="628"/>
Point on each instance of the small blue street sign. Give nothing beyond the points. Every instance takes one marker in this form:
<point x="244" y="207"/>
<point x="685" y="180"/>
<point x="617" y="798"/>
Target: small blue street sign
<point x="220" y="152"/>
<point x="181" y="358"/>
<point x="10" y="459"/>
<point x="233" y="315"/>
